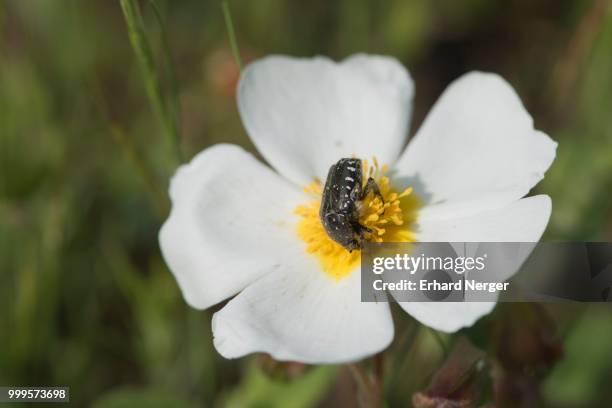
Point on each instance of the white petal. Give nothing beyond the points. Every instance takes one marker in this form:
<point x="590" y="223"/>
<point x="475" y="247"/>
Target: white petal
<point x="522" y="221"/>
<point x="304" y="114"/>
<point x="231" y="222"/>
<point x="299" y="314"/>
<point x="477" y="146"/>
<point x="447" y="317"/>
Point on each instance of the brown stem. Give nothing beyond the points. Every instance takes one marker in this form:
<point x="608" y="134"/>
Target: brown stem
<point x="566" y="71"/>
<point x="369" y="389"/>
<point x="379" y="369"/>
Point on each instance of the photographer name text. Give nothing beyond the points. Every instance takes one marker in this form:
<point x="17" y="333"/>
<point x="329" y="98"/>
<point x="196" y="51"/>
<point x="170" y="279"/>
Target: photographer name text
<point x="468" y="285"/>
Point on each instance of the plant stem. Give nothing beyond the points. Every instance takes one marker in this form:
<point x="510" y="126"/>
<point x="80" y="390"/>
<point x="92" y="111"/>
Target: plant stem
<point x="144" y="55"/>
<point x="229" y="25"/>
<point x="369" y="389"/>
<point x="176" y="103"/>
<point x="360" y="377"/>
<point x="405" y="347"/>
<point x="566" y="72"/>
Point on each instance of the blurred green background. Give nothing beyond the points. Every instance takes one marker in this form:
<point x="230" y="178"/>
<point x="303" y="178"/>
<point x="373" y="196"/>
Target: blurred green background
<point x="85" y="298"/>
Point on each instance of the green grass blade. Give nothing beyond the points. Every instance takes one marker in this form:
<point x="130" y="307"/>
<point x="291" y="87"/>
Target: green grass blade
<point x="169" y="65"/>
<point x="144" y="55"/>
<point x="231" y="34"/>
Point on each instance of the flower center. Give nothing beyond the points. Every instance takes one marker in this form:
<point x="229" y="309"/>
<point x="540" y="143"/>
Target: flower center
<point x="389" y="220"/>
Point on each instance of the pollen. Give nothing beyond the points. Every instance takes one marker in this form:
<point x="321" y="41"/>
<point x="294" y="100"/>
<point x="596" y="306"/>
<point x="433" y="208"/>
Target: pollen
<point x="389" y="220"/>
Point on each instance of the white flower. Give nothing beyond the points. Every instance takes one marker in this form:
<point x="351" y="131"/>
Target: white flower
<point x="238" y="228"/>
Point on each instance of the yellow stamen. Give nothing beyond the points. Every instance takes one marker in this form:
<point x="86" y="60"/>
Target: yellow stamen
<point x="389" y="222"/>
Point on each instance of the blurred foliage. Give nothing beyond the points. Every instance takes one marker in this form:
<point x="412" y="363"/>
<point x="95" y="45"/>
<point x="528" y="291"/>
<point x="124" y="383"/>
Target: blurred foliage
<point x="86" y="299"/>
<point x="587" y="366"/>
<point x="259" y="390"/>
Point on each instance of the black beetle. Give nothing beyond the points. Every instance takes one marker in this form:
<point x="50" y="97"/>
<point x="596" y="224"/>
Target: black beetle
<point x="342" y="194"/>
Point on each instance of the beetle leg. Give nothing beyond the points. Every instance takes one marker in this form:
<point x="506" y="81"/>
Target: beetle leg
<point x="371" y="186"/>
<point x="353" y="245"/>
<point x="362" y="230"/>
<point x="356" y="193"/>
